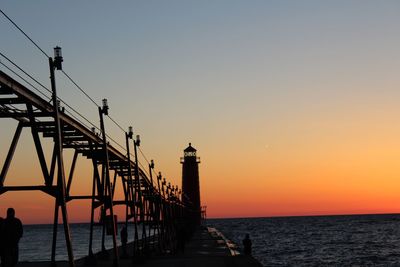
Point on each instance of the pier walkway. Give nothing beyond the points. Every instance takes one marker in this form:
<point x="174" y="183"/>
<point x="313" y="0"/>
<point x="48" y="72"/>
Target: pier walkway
<point x="206" y="248"/>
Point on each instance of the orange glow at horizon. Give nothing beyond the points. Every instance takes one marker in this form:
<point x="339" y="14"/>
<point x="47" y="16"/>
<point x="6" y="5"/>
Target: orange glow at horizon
<point x="315" y="175"/>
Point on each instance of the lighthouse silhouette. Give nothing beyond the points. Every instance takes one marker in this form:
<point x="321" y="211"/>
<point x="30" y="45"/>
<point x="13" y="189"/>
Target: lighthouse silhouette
<point x="191" y="186"/>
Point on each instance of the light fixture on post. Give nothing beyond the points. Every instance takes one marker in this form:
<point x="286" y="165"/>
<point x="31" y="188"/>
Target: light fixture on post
<point x="130" y="132"/>
<point x="137" y="140"/>
<point x="105" y="107"/>
<point x="58" y="59"/>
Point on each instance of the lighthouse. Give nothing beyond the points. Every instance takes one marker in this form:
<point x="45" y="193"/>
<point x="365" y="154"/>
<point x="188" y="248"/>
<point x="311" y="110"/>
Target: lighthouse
<point x="191" y="185"/>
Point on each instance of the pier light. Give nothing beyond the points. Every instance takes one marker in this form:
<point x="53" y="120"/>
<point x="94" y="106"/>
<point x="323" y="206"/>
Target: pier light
<point x="94" y="129"/>
<point x="105" y="106"/>
<point x="138" y="140"/>
<point x="164" y="182"/>
<point x="130" y="132"/>
<point x="159" y="175"/>
<point x="58" y="59"/>
<point x="57" y="52"/>
<point x="152" y="164"/>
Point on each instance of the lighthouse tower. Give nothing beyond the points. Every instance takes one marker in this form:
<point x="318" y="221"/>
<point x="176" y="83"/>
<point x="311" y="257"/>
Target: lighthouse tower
<point x="191" y="185"/>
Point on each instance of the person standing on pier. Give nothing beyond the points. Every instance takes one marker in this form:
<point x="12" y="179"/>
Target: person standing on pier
<point x="11" y="234"/>
<point x="247" y="245"/>
<point x="124" y="240"/>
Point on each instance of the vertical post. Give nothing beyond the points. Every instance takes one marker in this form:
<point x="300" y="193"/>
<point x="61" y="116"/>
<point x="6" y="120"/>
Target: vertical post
<point x="152" y="205"/>
<point x="136" y="143"/>
<point x="103" y="208"/>
<point x="61" y="190"/>
<point x="132" y="192"/>
<point x="55" y="226"/>
<point x="160" y="212"/>
<point x="163" y="210"/>
<point x="108" y="197"/>
<point x="91" y="256"/>
<point x="168" y="217"/>
<point x="96" y="183"/>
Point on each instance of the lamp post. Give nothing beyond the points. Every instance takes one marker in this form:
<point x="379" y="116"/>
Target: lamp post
<point x="152" y="199"/>
<point x="136" y="144"/>
<point x="61" y="187"/>
<point x="129" y="136"/>
<point x="108" y="191"/>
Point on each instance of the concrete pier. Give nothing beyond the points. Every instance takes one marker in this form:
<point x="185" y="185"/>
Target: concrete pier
<point x="206" y="248"/>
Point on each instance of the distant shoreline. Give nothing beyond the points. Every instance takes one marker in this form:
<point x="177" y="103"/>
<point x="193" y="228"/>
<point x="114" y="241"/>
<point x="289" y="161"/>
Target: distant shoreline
<point x="256" y="217"/>
<point x="300" y="216"/>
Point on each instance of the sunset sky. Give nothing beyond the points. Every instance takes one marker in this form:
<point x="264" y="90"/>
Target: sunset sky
<point x="293" y="106"/>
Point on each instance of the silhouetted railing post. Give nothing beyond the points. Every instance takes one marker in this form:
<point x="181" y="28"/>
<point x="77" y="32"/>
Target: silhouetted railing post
<point x="154" y="208"/>
<point x="108" y="191"/>
<point x="160" y="212"/>
<point x="131" y="187"/>
<point x="96" y="178"/>
<point x="61" y="186"/>
<point x="165" y="212"/>
<point x="136" y="144"/>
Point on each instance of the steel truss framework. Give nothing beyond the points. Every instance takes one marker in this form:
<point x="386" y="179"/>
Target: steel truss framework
<point x="155" y="207"/>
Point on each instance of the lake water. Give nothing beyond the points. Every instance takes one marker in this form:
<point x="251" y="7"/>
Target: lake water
<point x="359" y="240"/>
<point x="36" y="242"/>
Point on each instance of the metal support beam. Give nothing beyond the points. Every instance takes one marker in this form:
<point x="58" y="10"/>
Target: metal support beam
<point x="71" y="171"/>
<point x="38" y="145"/>
<point x="10" y="154"/>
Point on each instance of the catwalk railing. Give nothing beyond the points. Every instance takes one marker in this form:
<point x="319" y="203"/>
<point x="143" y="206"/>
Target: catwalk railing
<point x="153" y="206"/>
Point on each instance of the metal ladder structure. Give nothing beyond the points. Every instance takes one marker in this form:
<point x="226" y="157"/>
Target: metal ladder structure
<point x="155" y="207"/>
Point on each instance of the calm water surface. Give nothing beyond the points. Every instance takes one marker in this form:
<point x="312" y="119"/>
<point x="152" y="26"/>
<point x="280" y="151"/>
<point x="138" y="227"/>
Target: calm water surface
<point x="367" y="240"/>
<point x="360" y="240"/>
<point x="35" y="244"/>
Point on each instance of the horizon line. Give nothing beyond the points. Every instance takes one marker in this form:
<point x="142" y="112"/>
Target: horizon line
<point x="255" y="217"/>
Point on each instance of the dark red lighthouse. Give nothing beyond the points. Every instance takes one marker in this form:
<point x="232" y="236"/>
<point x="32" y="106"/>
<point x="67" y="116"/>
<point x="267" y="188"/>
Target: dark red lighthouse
<point x="191" y="185"/>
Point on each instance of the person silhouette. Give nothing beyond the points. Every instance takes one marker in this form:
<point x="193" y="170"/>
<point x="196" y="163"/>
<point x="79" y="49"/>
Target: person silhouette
<point x="124" y="240"/>
<point x="247" y="245"/>
<point x="11" y="234"/>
